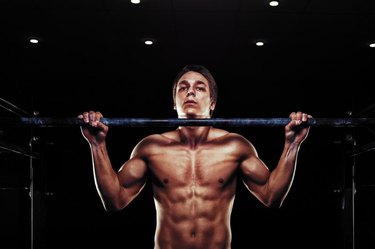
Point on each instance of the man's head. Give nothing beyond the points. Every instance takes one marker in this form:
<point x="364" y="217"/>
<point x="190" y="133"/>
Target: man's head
<point x="195" y="83"/>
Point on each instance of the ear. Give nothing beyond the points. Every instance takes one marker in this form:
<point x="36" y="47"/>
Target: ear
<point x="212" y="106"/>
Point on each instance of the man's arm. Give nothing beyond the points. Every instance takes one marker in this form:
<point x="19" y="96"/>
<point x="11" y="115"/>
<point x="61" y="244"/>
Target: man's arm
<point x="271" y="188"/>
<point x="116" y="189"/>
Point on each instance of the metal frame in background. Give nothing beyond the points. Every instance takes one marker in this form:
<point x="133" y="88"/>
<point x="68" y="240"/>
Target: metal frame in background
<point x="8" y="106"/>
<point x="349" y="193"/>
<point x="26" y="119"/>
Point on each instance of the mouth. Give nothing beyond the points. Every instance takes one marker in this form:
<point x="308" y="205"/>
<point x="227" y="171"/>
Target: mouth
<point x="190" y="102"/>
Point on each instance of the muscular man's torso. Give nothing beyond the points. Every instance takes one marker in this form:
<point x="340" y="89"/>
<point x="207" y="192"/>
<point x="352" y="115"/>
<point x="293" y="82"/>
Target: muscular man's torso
<point x="194" y="189"/>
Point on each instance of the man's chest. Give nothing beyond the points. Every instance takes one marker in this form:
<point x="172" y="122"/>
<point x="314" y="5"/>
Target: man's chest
<point x="203" y="165"/>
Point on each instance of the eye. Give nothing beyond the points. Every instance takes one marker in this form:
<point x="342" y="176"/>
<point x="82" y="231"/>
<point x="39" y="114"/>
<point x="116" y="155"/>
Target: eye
<point x="182" y="88"/>
<point x="201" y="89"/>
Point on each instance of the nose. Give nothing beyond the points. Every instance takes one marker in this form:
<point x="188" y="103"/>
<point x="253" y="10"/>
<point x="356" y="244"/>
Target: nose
<point x="190" y="92"/>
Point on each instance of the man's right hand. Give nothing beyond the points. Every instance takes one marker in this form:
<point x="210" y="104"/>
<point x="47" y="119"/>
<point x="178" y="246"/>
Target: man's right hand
<point x="93" y="130"/>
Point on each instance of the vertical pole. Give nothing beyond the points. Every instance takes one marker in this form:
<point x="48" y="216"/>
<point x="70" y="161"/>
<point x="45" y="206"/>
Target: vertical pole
<point x="31" y="193"/>
<point x="349" y="193"/>
<point x="35" y="194"/>
<point x="353" y="191"/>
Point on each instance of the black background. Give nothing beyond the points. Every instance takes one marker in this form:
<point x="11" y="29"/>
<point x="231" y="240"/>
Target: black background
<point x="316" y="59"/>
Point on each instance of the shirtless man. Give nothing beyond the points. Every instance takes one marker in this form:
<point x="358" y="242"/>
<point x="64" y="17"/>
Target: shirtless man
<point x="193" y="170"/>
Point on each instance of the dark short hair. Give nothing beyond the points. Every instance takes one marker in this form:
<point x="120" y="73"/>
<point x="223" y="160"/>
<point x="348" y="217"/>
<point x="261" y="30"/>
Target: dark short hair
<point x="202" y="70"/>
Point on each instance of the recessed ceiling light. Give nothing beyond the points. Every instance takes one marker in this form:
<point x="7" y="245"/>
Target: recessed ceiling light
<point x="259" y="43"/>
<point x="372" y="45"/>
<point x="149" y="42"/>
<point x="135" y="1"/>
<point x="274" y="3"/>
<point x="34" y="40"/>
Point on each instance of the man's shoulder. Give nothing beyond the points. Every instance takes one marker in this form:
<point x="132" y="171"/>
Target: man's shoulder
<point x="159" y="139"/>
<point x="237" y="141"/>
<point x="224" y="133"/>
<point x="152" y="138"/>
<point x="229" y="136"/>
<point x="150" y="144"/>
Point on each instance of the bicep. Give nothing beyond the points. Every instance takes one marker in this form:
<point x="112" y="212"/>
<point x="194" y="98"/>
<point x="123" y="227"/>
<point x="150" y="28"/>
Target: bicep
<point x="133" y="173"/>
<point x="254" y="172"/>
<point x="132" y="176"/>
<point x="255" y="175"/>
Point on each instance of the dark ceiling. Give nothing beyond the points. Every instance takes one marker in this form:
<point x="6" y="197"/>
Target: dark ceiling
<point x="91" y="55"/>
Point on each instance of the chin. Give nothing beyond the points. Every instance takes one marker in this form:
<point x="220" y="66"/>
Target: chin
<point x="194" y="115"/>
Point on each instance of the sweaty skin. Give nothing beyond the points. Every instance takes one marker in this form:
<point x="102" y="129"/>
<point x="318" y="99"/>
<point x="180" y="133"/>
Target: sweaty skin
<point x="193" y="170"/>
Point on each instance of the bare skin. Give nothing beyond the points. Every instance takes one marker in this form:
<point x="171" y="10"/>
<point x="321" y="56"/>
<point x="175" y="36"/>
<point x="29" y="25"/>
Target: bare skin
<point x="193" y="171"/>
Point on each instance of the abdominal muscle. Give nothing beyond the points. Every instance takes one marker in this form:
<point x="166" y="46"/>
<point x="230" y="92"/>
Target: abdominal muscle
<point x="194" y="191"/>
<point x="193" y="220"/>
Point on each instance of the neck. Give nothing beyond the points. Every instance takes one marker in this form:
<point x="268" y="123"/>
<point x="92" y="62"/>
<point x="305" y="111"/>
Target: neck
<point x="193" y="135"/>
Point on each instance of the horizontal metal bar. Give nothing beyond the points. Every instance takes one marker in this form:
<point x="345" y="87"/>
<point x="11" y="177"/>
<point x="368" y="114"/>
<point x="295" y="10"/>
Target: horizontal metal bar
<point x="173" y="122"/>
<point x="14" y="188"/>
<point x="363" y="149"/>
<point x="13" y="108"/>
<point x="17" y="149"/>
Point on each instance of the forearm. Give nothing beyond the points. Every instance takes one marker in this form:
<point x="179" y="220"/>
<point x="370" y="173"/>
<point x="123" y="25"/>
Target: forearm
<point x="282" y="176"/>
<point x="105" y="177"/>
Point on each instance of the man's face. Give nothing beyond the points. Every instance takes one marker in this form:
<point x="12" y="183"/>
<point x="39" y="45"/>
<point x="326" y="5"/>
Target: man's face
<point x="193" y="96"/>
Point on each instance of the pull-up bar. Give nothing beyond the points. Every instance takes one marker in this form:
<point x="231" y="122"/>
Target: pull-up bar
<point x="173" y="122"/>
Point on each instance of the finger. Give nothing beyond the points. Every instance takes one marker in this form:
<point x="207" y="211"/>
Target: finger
<point x="92" y="117"/>
<point x="299" y="116"/>
<point x="292" y="122"/>
<point x="304" y="117"/>
<point x="86" y="117"/>
<point x="296" y="118"/>
<point x="98" y="116"/>
<point x="101" y="126"/>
